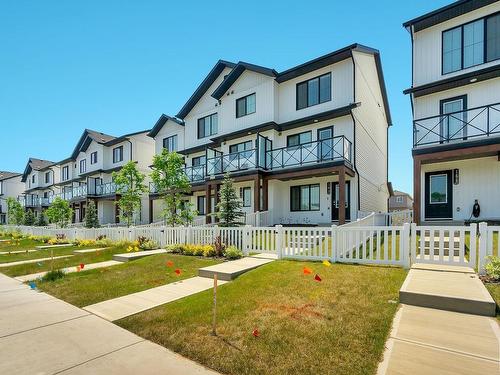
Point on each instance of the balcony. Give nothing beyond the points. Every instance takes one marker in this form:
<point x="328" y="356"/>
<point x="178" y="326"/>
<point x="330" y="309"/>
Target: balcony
<point x="234" y="162"/>
<point x="195" y="173"/>
<point x="457" y="127"/>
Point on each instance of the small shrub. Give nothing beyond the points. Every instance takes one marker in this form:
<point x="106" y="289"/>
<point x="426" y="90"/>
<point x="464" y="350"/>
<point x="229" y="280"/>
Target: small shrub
<point x="149" y="245"/>
<point x="219" y="246"/>
<point x="493" y="268"/>
<point x="232" y="252"/>
<point x="209" y="251"/>
<point x="175" y="249"/>
<point x="80" y="243"/>
<point x="101" y="237"/>
<point x="53" y="275"/>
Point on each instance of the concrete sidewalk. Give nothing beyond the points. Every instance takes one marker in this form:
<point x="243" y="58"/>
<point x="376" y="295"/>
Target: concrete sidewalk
<point x="2" y="265"/>
<point x="40" y="334"/>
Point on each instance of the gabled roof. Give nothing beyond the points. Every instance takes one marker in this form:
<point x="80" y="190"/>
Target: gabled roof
<point x="87" y="137"/>
<point x="446" y="13"/>
<point x="161" y="122"/>
<point x="35" y="165"/>
<point x="4" y="175"/>
<point x="237" y="72"/>
<point x="204" y="86"/>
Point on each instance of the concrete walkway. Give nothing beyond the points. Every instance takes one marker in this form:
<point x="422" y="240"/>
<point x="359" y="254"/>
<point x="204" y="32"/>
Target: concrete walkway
<point x="85" y="251"/>
<point x="40" y="334"/>
<point x="43" y="247"/>
<point x="87" y="267"/>
<point x="131" y="304"/>
<point x="32" y="261"/>
<point x="429" y="336"/>
<point x="125" y="257"/>
<point x="230" y="270"/>
<point x="16" y="252"/>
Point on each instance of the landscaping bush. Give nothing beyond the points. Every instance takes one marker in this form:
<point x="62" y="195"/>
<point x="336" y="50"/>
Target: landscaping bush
<point x="232" y="252"/>
<point x="149" y="245"/>
<point x="78" y="242"/>
<point x="53" y="275"/>
<point x="493" y="268"/>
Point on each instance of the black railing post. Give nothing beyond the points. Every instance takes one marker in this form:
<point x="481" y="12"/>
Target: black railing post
<point x="488" y="120"/>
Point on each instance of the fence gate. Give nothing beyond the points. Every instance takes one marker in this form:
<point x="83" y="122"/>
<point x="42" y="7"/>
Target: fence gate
<point x="450" y="245"/>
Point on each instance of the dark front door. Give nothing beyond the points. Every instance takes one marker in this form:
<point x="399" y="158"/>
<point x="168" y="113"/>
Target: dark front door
<point x="438" y="195"/>
<point x="335" y="201"/>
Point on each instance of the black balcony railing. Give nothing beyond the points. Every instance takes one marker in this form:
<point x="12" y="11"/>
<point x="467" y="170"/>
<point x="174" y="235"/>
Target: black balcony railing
<point x="195" y="173"/>
<point x="234" y="162"/>
<point x="108" y="188"/>
<point x="457" y="126"/>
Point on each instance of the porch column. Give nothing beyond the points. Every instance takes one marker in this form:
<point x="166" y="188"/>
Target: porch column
<point x="217" y="198"/>
<point x="417" y="166"/>
<point x="150" y="210"/>
<point x="265" y="194"/>
<point x="342" y="196"/>
<point x="256" y="194"/>
<point x="208" y="203"/>
<point x="117" y="210"/>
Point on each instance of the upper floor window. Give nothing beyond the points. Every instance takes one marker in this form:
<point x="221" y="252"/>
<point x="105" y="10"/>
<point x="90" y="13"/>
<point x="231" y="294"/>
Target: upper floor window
<point x="170" y="143"/>
<point x="47" y="177"/>
<point x="314" y="91"/>
<point x="245" y="105"/>
<point x="399" y="199"/>
<point x="33" y="179"/>
<point x="207" y="126"/>
<point x="239" y="147"/>
<point x="299" y="139"/>
<point x="118" y="154"/>
<point x="471" y="44"/>
<point x="83" y="165"/>
<point x="65" y="173"/>
<point x="198" y="161"/>
<point x="1" y="188"/>
<point x="93" y="157"/>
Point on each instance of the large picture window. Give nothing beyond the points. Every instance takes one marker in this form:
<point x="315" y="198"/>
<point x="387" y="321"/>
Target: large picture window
<point x="314" y="91"/>
<point x="471" y="44"/>
<point x="170" y="143"/>
<point x="207" y="126"/>
<point x="245" y="105"/>
<point x="304" y="198"/>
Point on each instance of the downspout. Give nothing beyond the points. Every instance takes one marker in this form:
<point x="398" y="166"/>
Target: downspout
<point x="354" y="132"/>
<point x="128" y="140"/>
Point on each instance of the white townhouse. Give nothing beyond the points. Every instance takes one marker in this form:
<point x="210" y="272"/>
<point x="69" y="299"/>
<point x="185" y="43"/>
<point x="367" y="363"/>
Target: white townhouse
<point x="11" y="186"/>
<point x="308" y="145"/>
<point x="40" y="178"/>
<point x="455" y="97"/>
<point x="87" y="174"/>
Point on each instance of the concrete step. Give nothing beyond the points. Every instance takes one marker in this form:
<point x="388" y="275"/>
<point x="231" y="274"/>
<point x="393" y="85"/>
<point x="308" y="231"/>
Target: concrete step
<point x="447" y="289"/>
<point x="125" y="257"/>
<point x="230" y="270"/>
<point x="42" y="247"/>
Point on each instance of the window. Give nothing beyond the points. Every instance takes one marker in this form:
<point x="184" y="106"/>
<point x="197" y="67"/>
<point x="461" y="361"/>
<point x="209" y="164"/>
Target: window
<point x="299" y="139"/>
<point x="47" y="177"/>
<point x="399" y="199"/>
<point x="304" y="198"/>
<point x="239" y="147"/>
<point x="438" y="189"/>
<point x="207" y="126"/>
<point x="93" y="157"/>
<point x="198" y="161"/>
<point x="83" y="165"/>
<point x="200" y="204"/>
<point x="246" y="196"/>
<point x="471" y="44"/>
<point x="118" y="154"/>
<point x="170" y="143"/>
<point x="33" y="179"/>
<point x="314" y="91"/>
<point x="245" y="105"/>
<point x="65" y="173"/>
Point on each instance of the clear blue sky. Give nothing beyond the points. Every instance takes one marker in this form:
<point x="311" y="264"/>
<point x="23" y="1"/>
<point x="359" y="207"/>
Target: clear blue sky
<point x="115" y="66"/>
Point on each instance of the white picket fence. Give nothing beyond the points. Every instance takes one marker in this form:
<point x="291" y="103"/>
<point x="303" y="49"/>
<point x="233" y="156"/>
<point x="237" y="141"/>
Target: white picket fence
<point x="362" y="241"/>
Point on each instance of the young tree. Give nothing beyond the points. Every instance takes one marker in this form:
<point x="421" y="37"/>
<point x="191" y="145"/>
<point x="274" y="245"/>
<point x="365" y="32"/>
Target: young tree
<point x="15" y="212"/>
<point x="59" y="212"/>
<point x="91" y="219"/>
<point x="29" y="218"/>
<point x="229" y="207"/>
<point x="40" y="220"/>
<point x="171" y="184"/>
<point x="130" y="185"/>
<point x="187" y="213"/>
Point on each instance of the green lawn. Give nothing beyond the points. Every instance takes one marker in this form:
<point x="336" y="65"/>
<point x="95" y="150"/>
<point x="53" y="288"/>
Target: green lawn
<point x="58" y="251"/>
<point x="21" y="244"/>
<point x="336" y="326"/>
<point x="25" y="269"/>
<point x="494" y="290"/>
<point x="86" y="288"/>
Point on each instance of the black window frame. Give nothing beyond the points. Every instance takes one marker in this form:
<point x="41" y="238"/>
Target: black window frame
<point x="242" y="195"/>
<point x="204" y="135"/>
<point x="485" y="39"/>
<point x="196" y="161"/>
<point x="47" y="177"/>
<point x="245" y="98"/>
<point x="298" y="135"/>
<point x="93" y="158"/>
<point x="33" y="179"/>
<point x="306" y="82"/>
<point x="120" y="154"/>
<point x="203" y="205"/>
<point x="83" y="163"/>
<point x="299" y="188"/>
<point x="165" y="140"/>
<point x="63" y="177"/>
<point x="238" y="144"/>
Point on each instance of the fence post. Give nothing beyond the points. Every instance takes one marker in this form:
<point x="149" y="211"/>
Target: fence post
<point x="483" y="247"/>
<point x="246" y="239"/>
<point x="189" y="236"/>
<point x="279" y="240"/>
<point x="406" y="245"/>
<point x="257" y="219"/>
<point x="334" y="243"/>
<point x="413" y="243"/>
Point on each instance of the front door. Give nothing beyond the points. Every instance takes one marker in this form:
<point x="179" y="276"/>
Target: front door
<point x="438" y="195"/>
<point x="335" y="201"/>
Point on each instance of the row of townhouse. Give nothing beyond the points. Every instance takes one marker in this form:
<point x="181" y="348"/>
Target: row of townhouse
<point x="10" y="186"/>
<point x="307" y="145"/>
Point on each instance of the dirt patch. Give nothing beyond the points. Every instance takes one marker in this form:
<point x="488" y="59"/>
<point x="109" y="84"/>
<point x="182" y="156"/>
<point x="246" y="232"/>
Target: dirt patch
<point x="305" y="311"/>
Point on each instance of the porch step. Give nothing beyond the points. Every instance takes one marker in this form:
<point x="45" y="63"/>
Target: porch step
<point x="125" y="257"/>
<point x="446" y="288"/>
<point x="228" y="271"/>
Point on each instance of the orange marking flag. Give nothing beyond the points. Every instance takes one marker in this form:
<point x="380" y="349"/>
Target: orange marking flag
<point x="255" y="333"/>
<point x="317" y="278"/>
<point x="178" y="272"/>
<point x="82" y="265"/>
<point x="307" y="271"/>
<point x="170" y="263"/>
